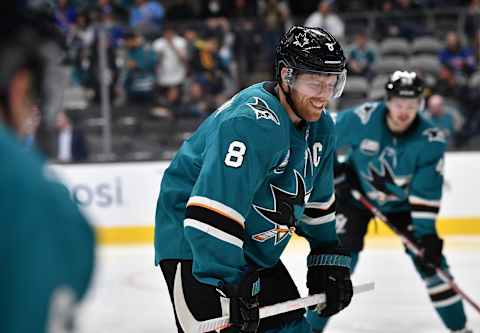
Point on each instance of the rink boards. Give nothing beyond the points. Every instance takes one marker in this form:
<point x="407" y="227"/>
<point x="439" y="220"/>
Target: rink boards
<point x="120" y="198"/>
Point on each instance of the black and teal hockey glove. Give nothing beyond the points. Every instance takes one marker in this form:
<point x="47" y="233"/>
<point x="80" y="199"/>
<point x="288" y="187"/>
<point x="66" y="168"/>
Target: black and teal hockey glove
<point x="244" y="305"/>
<point x="329" y="273"/>
<point x="345" y="179"/>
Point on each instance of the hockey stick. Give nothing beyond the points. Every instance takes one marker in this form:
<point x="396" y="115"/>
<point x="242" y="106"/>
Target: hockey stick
<point x="413" y="247"/>
<point x="275" y="309"/>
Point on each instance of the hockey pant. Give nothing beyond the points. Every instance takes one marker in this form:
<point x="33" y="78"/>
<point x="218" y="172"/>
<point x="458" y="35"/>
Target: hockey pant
<point x="352" y="223"/>
<point x="203" y="300"/>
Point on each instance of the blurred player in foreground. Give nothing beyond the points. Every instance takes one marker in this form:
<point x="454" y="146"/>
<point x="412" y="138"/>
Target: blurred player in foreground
<point x="46" y="246"/>
<point x="395" y="160"/>
<point x="258" y="169"/>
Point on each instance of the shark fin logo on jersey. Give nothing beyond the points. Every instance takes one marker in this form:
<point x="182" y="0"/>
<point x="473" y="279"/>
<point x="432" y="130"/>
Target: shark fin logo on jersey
<point x="282" y="215"/>
<point x="435" y="135"/>
<point x="263" y="111"/>
<point x="386" y="185"/>
<point x="364" y="111"/>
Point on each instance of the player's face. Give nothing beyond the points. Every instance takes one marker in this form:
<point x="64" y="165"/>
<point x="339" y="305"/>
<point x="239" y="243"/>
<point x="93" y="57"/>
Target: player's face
<point x="311" y="94"/>
<point x="402" y="112"/>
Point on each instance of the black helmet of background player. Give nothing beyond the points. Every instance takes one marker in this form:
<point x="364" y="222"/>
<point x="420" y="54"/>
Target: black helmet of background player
<point x="404" y="84"/>
<point x="310" y="50"/>
<point x="28" y="32"/>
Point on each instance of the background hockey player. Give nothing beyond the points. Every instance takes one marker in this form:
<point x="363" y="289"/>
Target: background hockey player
<point x="395" y="159"/>
<point x="46" y="246"/>
<point x="258" y="169"/>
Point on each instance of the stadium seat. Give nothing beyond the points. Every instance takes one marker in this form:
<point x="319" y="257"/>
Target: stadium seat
<point x="394" y="47"/>
<point x="424" y="63"/>
<point x="376" y="93"/>
<point x="388" y="65"/>
<point x="426" y="45"/>
<point x="355" y="87"/>
<point x="379" y="82"/>
<point x="474" y="81"/>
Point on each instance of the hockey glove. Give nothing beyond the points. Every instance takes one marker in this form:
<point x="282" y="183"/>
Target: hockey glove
<point x="432" y="247"/>
<point x="244" y="305"/>
<point x="329" y="273"/>
<point x="345" y="179"/>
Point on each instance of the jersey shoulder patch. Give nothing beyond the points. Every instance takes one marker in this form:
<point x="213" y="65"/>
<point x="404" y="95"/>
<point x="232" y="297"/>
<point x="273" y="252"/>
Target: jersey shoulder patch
<point x="435" y="134"/>
<point x="365" y="111"/>
<point x="262" y="110"/>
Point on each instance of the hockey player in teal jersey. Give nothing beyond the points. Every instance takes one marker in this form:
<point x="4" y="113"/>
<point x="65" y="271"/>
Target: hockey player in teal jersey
<point x="46" y="246"/>
<point x="395" y="158"/>
<point x="257" y="170"/>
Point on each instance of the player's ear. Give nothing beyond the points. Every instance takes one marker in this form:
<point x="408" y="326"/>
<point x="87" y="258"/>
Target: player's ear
<point x="284" y="75"/>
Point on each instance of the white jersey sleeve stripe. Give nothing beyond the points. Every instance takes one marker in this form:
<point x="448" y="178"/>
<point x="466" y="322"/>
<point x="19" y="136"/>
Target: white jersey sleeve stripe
<point x="447" y="302"/>
<point x="318" y="220"/>
<point x="321" y="205"/>
<point x="424" y="215"/>
<point x="420" y="201"/>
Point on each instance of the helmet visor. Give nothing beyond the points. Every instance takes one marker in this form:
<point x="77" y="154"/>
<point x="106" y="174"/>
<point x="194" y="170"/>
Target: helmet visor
<point x="315" y="84"/>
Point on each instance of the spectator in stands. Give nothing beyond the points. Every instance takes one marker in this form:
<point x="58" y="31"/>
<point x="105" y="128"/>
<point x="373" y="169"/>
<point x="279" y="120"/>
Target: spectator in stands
<point x="449" y="85"/>
<point x="214" y="8"/>
<point x="472" y="20"/>
<point x="207" y="66"/>
<point x="388" y="23"/>
<point x="65" y="15"/>
<point x="147" y="17"/>
<point x="449" y="120"/>
<point x="171" y="72"/>
<point x="80" y="40"/>
<point x="276" y="20"/>
<point x="458" y="58"/>
<point x="325" y="18"/>
<point x="140" y="70"/>
<point x="71" y="145"/>
<point x="361" y="57"/>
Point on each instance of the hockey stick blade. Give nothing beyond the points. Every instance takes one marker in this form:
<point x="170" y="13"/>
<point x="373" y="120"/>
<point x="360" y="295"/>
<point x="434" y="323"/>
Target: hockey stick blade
<point x="275" y="309"/>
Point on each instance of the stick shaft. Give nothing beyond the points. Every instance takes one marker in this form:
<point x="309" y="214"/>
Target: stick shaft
<point x="275" y="309"/>
<point x="414" y="248"/>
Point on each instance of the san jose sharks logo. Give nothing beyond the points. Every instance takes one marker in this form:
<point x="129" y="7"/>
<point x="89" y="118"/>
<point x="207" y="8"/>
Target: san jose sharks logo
<point x="282" y="215"/>
<point x="301" y="39"/>
<point x="262" y="110"/>
<point x="435" y="135"/>
<point x="385" y="184"/>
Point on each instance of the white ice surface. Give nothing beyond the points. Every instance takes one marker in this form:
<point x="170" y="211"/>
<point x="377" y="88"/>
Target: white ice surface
<point x="129" y="294"/>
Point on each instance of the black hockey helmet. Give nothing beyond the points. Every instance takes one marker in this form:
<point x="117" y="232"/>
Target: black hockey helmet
<point x="314" y="50"/>
<point x="404" y="84"/>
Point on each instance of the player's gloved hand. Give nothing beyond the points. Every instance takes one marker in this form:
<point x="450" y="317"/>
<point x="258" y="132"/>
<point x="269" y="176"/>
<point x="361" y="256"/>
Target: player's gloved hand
<point x="329" y="273"/>
<point x="244" y="305"/>
<point x="432" y="247"/>
<point x="345" y="178"/>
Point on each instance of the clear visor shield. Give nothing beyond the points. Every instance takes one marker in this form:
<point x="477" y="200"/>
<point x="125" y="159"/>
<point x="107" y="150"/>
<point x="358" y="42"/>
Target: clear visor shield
<point x="324" y="85"/>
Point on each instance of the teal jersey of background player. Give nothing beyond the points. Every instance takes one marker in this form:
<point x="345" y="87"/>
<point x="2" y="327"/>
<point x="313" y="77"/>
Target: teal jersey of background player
<point x="46" y="246"/>
<point x="234" y="187"/>
<point x="397" y="172"/>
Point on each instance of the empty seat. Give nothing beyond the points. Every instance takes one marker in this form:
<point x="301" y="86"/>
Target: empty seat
<point x="356" y="87"/>
<point x="388" y="65"/>
<point x="426" y="45"/>
<point x="394" y="47"/>
<point x="425" y="64"/>
<point x="379" y="81"/>
<point x="474" y="81"/>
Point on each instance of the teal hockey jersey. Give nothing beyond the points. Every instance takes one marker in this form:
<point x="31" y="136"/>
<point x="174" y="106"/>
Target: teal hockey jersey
<point x="238" y="188"/>
<point x="396" y="172"/>
<point x="46" y="245"/>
